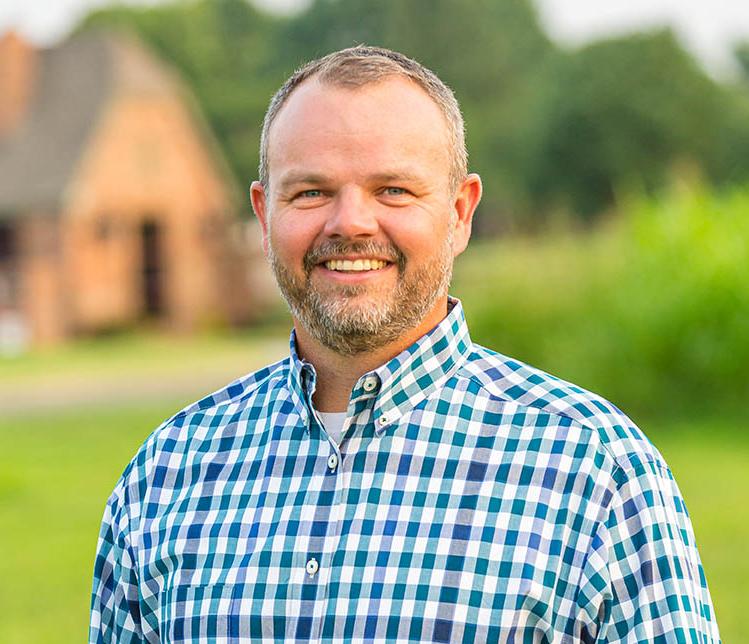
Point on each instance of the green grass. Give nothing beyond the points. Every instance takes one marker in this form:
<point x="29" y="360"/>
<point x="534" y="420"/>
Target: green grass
<point x="710" y="460"/>
<point x="138" y="368"/>
<point x="143" y="353"/>
<point x="56" y="471"/>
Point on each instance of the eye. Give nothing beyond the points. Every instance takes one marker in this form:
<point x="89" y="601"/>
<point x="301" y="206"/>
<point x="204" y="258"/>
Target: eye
<point x="309" y="194"/>
<point x="394" y="191"/>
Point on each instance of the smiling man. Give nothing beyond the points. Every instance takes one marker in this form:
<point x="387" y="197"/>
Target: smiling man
<point x="363" y="208"/>
<point x="390" y="480"/>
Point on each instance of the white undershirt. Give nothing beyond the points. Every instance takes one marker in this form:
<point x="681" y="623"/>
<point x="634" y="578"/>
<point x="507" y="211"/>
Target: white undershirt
<point x="333" y="423"/>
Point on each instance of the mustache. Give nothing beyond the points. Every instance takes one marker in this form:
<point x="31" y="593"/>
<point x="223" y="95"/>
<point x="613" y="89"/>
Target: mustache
<point x="390" y="252"/>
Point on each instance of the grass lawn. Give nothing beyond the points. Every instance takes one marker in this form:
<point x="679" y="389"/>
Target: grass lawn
<point x="56" y="472"/>
<point x="135" y="368"/>
<point x="710" y="460"/>
<point x="137" y="352"/>
<point x="57" y="469"/>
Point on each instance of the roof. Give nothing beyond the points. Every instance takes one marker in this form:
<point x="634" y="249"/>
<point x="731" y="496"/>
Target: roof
<point x="38" y="159"/>
<point x="72" y="84"/>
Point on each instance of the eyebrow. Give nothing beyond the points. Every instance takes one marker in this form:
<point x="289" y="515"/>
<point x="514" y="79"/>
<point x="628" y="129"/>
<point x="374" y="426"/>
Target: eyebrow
<point x="296" y="178"/>
<point x="397" y="175"/>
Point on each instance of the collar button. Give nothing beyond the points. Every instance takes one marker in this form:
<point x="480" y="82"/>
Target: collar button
<point x="370" y="383"/>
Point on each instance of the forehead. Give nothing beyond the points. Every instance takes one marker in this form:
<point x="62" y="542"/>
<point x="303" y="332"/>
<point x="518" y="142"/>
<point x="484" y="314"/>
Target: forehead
<point x="392" y="121"/>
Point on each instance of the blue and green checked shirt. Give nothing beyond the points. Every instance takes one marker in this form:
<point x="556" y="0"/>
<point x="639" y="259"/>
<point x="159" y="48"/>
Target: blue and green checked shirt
<point x="472" y="499"/>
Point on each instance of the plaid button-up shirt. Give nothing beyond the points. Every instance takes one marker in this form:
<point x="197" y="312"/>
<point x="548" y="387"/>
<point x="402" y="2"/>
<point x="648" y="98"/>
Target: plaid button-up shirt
<point x="472" y="499"/>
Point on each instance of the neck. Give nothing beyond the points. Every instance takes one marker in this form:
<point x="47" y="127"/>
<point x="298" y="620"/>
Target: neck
<point x="337" y="374"/>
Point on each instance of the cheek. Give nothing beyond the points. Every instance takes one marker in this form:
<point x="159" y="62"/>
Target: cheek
<point x="418" y="237"/>
<point x="291" y="238"/>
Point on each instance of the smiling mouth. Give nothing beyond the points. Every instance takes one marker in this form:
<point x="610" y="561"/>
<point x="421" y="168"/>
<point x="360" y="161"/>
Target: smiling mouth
<point x="356" y="265"/>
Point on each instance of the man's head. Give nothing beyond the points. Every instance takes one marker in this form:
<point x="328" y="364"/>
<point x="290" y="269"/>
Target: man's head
<point x="358" y="66"/>
<point x="364" y="201"/>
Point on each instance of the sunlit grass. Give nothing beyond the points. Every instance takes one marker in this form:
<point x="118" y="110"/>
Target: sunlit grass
<point x="143" y="352"/>
<point x="710" y="460"/>
<point x="56" y="472"/>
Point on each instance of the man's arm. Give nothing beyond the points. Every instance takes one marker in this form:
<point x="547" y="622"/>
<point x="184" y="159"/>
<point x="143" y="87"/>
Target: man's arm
<point x="115" y="612"/>
<point x="643" y="579"/>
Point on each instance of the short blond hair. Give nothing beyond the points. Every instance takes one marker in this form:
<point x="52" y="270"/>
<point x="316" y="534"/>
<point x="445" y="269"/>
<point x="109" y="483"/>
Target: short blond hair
<point x="358" y="66"/>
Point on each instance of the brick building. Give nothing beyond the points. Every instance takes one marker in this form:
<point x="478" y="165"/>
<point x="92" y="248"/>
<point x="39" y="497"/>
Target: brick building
<point x="115" y="203"/>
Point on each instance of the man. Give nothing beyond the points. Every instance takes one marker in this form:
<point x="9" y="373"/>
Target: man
<point x="390" y="480"/>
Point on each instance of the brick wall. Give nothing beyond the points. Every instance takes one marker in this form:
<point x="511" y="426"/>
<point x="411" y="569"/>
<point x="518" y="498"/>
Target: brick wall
<point x="146" y="165"/>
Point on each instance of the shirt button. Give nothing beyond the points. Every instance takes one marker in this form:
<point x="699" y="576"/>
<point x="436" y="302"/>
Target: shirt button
<point x="333" y="461"/>
<point x="370" y="383"/>
<point x="312" y="567"/>
<point x="382" y="420"/>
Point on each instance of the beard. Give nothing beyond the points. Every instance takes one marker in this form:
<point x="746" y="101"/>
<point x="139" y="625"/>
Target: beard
<point x="354" y="319"/>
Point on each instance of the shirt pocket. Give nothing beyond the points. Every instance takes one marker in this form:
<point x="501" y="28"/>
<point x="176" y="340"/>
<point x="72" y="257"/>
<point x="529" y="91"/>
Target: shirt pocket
<point x="200" y="614"/>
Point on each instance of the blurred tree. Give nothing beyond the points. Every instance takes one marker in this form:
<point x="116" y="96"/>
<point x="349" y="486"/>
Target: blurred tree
<point x="619" y="113"/>
<point x="741" y="52"/>
<point x="728" y="156"/>
<point x="732" y="163"/>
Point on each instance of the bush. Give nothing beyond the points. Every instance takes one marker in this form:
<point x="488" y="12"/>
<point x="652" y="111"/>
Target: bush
<point x="651" y="311"/>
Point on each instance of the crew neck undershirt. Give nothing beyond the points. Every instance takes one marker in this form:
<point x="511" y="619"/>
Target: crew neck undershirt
<point x="333" y="423"/>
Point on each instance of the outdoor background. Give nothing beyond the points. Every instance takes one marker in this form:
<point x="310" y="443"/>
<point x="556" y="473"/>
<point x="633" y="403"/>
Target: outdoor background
<point x="611" y="249"/>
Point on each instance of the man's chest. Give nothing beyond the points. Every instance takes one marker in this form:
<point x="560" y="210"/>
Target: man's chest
<point x="423" y="534"/>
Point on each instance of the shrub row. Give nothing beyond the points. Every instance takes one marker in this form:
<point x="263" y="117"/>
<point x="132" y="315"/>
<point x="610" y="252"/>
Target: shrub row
<point x="650" y="310"/>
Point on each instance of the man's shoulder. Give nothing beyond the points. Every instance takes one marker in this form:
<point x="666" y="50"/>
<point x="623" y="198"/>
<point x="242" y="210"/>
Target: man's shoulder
<point x="208" y="415"/>
<point x="517" y="383"/>
<point x="237" y="393"/>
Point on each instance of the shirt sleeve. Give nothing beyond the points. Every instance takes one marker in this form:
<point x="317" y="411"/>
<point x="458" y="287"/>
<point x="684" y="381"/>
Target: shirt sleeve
<point x="115" y="612"/>
<point x="643" y="580"/>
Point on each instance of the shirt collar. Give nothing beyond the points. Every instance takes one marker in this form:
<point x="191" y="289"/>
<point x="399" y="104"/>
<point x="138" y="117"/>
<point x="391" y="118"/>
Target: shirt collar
<point x="404" y="381"/>
<point x="301" y="381"/>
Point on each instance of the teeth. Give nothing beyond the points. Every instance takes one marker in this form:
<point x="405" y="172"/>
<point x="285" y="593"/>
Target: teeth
<point x="356" y="265"/>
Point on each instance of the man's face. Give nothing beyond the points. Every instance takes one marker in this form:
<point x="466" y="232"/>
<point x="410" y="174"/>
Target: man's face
<point x="359" y="221"/>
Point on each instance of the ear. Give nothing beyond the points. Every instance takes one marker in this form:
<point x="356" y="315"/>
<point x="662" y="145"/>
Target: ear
<point x="259" y="205"/>
<point x="466" y="200"/>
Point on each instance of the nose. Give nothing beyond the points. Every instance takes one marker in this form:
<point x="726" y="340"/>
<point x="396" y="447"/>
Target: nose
<point x="351" y="215"/>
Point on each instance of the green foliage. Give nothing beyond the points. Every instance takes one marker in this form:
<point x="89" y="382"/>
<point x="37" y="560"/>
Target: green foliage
<point x="742" y="58"/>
<point x="620" y="111"/>
<point x="728" y="158"/>
<point x="690" y="261"/>
<point x="651" y="310"/>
